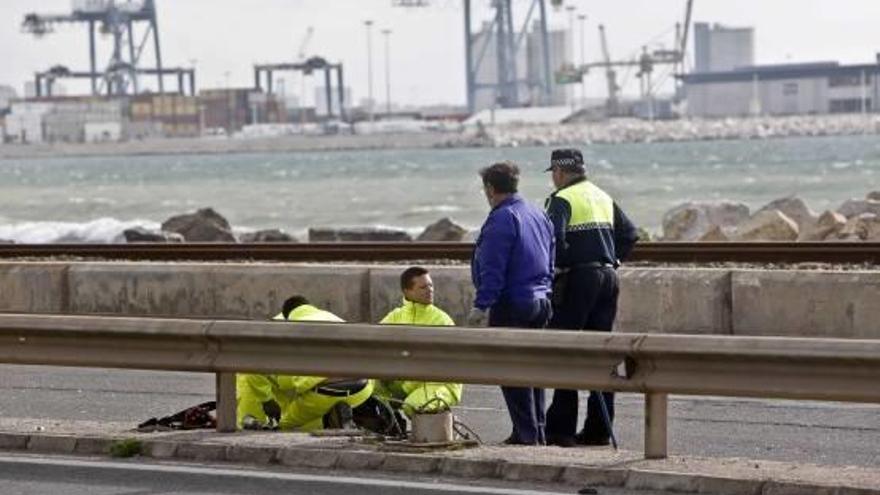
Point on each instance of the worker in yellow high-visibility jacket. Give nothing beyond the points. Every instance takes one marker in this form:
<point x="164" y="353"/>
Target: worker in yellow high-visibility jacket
<point x="303" y="400"/>
<point x="418" y="309"/>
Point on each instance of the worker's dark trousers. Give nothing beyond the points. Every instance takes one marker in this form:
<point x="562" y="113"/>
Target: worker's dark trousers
<point x="525" y="404"/>
<point x="588" y="302"/>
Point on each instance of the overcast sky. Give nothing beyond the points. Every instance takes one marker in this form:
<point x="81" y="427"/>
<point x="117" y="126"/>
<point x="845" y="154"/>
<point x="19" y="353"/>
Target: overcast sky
<point x="427" y="53"/>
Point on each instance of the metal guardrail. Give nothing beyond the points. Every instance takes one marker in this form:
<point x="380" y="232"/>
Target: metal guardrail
<point x="657" y="252"/>
<point x="657" y="365"/>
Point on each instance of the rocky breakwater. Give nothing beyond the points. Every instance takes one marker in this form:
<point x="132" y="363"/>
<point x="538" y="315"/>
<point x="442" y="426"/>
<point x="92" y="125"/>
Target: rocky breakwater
<point x="786" y="219"/>
<point x="206" y="225"/>
<point x="643" y="131"/>
<point x="443" y="230"/>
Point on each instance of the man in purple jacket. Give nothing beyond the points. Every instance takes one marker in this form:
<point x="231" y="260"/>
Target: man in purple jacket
<point x="512" y="271"/>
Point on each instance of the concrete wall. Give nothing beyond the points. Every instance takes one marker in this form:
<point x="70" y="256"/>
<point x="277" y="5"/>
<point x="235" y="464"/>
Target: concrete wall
<point x="811" y="304"/>
<point x="674" y="301"/>
<point x="695" y="301"/>
<point x="33" y="287"/>
<point x="223" y="291"/>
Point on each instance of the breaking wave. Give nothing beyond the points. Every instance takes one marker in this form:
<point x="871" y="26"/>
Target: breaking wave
<point x="101" y="230"/>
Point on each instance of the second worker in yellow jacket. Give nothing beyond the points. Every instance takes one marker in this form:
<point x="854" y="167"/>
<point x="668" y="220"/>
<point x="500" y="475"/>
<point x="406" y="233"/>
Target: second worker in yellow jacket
<point x="303" y="400"/>
<point x="418" y="309"/>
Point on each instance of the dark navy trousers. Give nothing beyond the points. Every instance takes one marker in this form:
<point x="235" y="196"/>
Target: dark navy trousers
<point x="525" y="404"/>
<point x="588" y="302"/>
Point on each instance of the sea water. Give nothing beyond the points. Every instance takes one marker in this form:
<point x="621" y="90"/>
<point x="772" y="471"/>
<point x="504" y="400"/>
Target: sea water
<point x="92" y="199"/>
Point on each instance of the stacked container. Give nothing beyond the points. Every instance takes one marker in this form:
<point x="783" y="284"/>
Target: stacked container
<point x="178" y="116"/>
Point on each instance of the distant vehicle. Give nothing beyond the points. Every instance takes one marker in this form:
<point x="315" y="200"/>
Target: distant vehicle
<point x="214" y="132"/>
<point x="336" y="126"/>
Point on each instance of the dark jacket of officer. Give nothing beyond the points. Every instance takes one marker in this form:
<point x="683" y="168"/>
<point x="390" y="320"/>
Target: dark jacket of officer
<point x="588" y="226"/>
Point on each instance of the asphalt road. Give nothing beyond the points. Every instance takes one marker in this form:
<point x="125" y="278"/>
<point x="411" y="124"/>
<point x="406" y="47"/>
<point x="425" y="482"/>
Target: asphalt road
<point x="797" y="431"/>
<point x="29" y="475"/>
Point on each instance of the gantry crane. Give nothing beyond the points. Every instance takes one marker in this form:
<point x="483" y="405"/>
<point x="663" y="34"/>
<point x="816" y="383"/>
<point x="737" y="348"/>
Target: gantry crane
<point x="117" y="18"/>
<point x="306" y="68"/>
<point x="645" y="64"/>
<point x="508" y="43"/>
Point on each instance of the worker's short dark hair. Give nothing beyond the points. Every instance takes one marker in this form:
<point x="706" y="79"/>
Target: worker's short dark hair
<point x="410" y="274"/>
<point x="502" y="176"/>
<point x="292" y="303"/>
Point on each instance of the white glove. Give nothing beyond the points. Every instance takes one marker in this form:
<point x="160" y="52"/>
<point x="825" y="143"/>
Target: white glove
<point x="478" y="318"/>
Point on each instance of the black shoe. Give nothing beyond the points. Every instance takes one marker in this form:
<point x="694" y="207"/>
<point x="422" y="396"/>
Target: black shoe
<point x="512" y="440"/>
<point x="561" y="441"/>
<point x="339" y="418"/>
<point x="592" y="440"/>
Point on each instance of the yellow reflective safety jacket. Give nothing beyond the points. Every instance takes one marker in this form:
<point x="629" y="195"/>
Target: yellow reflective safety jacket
<point x="588" y="226"/>
<point x="413" y="313"/>
<point x="417" y="394"/>
<point x="300" y="384"/>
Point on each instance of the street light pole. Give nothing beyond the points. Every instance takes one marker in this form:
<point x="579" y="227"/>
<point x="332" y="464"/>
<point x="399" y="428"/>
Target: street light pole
<point x="387" y="34"/>
<point x="571" y="9"/>
<point x="229" y="99"/>
<point x="369" y="25"/>
<point x="583" y="19"/>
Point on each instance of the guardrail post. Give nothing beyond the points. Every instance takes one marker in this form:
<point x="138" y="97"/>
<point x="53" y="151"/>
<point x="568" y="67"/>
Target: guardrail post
<point x="655" y="425"/>
<point x="226" y="402"/>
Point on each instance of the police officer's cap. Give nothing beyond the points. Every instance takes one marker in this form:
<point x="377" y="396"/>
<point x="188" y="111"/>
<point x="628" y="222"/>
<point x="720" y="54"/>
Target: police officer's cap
<point x="568" y="160"/>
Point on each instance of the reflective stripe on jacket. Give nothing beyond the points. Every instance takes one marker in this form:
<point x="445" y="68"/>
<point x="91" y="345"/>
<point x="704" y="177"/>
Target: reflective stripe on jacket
<point x="588" y="226"/>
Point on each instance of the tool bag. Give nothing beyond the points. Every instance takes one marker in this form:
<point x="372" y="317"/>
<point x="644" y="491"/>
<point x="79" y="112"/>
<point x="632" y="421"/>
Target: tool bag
<point x="191" y="418"/>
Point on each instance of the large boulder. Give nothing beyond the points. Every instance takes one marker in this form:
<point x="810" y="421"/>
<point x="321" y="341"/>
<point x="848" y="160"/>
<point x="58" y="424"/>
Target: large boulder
<point x="715" y="234"/>
<point x="270" y="235"/>
<point x="855" y="207"/>
<point x="873" y="195"/>
<point x="827" y="226"/>
<point x="768" y="225"/>
<point x="691" y="221"/>
<point x="865" y="227"/>
<point x="443" y="230"/>
<point x="205" y="225"/>
<point x="795" y="209"/>
<point x="358" y="234"/>
<point x="140" y="234"/>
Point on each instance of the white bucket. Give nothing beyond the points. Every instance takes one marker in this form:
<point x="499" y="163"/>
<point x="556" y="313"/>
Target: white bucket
<point x="432" y="428"/>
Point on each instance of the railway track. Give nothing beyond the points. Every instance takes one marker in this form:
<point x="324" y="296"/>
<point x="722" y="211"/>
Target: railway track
<point x="654" y="252"/>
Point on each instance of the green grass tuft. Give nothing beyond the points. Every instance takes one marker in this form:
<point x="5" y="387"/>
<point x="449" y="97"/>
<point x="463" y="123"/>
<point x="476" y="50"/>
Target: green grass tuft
<point x="128" y="447"/>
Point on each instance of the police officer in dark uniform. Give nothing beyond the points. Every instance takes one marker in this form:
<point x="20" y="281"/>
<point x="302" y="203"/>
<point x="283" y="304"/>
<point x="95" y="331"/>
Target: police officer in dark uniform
<point x="592" y="235"/>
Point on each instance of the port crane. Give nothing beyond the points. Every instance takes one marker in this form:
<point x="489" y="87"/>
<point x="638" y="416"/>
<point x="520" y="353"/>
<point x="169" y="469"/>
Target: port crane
<point x="120" y="20"/>
<point x="645" y="63"/>
<point x="508" y="43"/>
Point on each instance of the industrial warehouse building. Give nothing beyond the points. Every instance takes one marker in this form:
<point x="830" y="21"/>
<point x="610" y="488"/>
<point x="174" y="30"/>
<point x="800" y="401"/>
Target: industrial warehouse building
<point x="791" y="89"/>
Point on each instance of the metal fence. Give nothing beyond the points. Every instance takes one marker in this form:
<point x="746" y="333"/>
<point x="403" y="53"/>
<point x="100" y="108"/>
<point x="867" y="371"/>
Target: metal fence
<point x="655" y="365"/>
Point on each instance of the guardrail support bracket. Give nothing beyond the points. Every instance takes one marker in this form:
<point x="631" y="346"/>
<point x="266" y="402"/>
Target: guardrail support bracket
<point x="226" y="402"/>
<point x="655" y="425"/>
